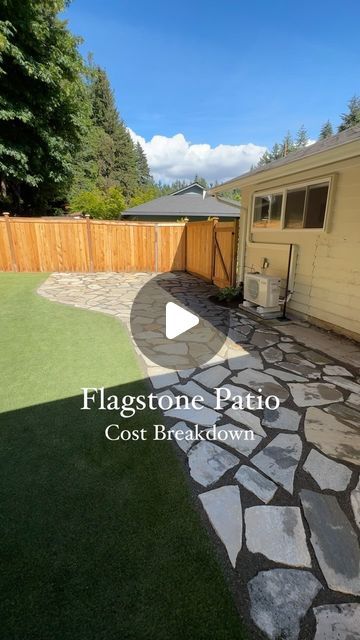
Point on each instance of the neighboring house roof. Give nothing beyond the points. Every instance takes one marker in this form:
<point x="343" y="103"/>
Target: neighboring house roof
<point x="338" y="147"/>
<point x="186" y="203"/>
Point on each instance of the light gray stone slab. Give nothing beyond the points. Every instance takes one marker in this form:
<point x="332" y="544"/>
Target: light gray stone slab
<point x="281" y="418"/>
<point x="344" y="383"/>
<point x="162" y="377"/>
<point x="192" y="389"/>
<point x="250" y="360"/>
<point x="344" y="413"/>
<point x="212" y="377"/>
<point x="205" y="416"/>
<point x="259" y="380"/>
<point x="280" y="599"/>
<point x="335" y="370"/>
<point x="334" y="541"/>
<point x="242" y="440"/>
<point x="183" y="435"/>
<point x="296" y="358"/>
<point x="246" y="419"/>
<point x="337" y="621"/>
<point x="279" y="459"/>
<point x="278" y="533"/>
<point x="253" y="481"/>
<point x="314" y="393"/>
<point x="208" y="462"/>
<point x="355" y="503"/>
<point x="185" y="373"/>
<point x="333" y="437"/>
<point x="173" y="348"/>
<point x="301" y="370"/>
<point x="327" y="473"/>
<point x="354" y="401"/>
<point x="272" y="355"/>
<point x="287" y="376"/>
<point x="223" y="507"/>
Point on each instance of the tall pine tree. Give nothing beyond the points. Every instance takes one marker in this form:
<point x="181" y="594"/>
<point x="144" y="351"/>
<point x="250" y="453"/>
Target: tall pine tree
<point x="142" y="167"/>
<point x="326" y="130"/>
<point x="352" y="117"/>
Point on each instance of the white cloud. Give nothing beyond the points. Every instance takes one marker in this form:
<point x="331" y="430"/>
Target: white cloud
<point x="176" y="157"/>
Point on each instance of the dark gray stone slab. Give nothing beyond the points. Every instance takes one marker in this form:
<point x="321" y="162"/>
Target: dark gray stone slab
<point x="279" y="600"/>
<point x="344" y="383"/>
<point x="272" y="355"/>
<point x="262" y="340"/>
<point x="281" y="418"/>
<point x="259" y="380"/>
<point x="279" y="460"/>
<point x="334" y="541"/>
<point x="344" y="413"/>
<point x="316" y="358"/>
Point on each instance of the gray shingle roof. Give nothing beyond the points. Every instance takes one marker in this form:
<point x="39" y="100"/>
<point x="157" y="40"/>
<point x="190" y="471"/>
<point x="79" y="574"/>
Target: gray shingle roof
<point x="190" y="204"/>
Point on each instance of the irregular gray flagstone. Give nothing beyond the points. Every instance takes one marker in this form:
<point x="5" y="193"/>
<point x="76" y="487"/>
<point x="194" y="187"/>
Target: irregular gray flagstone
<point x="337" y="621"/>
<point x="208" y="462"/>
<point x="279" y="460"/>
<point x="185" y="373"/>
<point x="314" y="393"/>
<point x="223" y="507"/>
<point x="316" y="358"/>
<point x="344" y="413"/>
<point x="301" y="370"/>
<point x="278" y="533"/>
<point x="295" y="358"/>
<point x="212" y="377"/>
<point x="355" y="503"/>
<point x="334" y="541"/>
<point x="192" y="389"/>
<point x="327" y="473"/>
<point x="162" y="377"/>
<point x="289" y="347"/>
<point x="344" y="383"/>
<point x="205" y="417"/>
<point x="264" y="339"/>
<point x="184" y="435"/>
<point x="259" y="380"/>
<point x="281" y="418"/>
<point x="333" y="437"/>
<point x="354" y="401"/>
<point x="279" y="600"/>
<point x="242" y="440"/>
<point x="255" y="482"/>
<point x="272" y="354"/>
<point x="285" y="375"/>
<point x="250" y="360"/>
<point x="247" y="419"/>
<point x="335" y="370"/>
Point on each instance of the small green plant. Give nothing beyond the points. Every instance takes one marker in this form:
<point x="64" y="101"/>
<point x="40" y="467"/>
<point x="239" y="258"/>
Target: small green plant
<point x="228" y="293"/>
<point x="106" y="205"/>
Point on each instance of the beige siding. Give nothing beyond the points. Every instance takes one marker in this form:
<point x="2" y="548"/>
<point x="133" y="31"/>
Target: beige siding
<point x="327" y="277"/>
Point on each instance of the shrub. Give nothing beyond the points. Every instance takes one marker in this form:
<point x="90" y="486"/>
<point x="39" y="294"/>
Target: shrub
<point x="106" y="205"/>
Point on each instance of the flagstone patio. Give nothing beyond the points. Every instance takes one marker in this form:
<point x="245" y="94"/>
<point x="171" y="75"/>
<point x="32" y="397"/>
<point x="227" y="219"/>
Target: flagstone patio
<point x="284" y="506"/>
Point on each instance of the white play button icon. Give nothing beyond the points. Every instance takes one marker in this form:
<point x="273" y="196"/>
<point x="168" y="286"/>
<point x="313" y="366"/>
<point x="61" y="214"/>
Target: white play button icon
<point x="178" y="320"/>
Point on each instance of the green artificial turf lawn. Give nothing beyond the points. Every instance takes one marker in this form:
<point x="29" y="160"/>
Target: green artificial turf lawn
<point x="99" y="540"/>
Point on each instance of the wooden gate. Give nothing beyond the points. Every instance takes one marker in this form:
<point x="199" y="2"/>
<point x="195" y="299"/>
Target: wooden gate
<point x="211" y="249"/>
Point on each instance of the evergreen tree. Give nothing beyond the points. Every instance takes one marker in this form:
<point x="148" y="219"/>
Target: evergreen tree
<point x="142" y="167"/>
<point x="352" y="117"/>
<point x="302" y="137"/>
<point x="326" y="130"/>
<point x="42" y="104"/>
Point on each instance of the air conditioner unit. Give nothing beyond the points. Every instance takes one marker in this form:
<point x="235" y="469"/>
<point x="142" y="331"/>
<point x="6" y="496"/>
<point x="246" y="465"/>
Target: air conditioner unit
<point x="261" y="290"/>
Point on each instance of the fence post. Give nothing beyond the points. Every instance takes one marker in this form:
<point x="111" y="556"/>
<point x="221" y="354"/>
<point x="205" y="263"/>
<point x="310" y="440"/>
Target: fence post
<point x="235" y="249"/>
<point x="10" y="240"/>
<point x="90" y="246"/>
<point x="213" y="255"/>
<point x="156" y="247"/>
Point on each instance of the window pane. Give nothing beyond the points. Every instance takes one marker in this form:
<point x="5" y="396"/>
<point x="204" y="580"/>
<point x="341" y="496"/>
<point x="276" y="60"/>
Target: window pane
<point x="294" y="209"/>
<point x="316" y="206"/>
<point x="275" y="211"/>
<point x="262" y="211"/>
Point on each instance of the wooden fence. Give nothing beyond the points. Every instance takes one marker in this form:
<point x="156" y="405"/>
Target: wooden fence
<point x="206" y="249"/>
<point x="38" y="244"/>
<point x="211" y="251"/>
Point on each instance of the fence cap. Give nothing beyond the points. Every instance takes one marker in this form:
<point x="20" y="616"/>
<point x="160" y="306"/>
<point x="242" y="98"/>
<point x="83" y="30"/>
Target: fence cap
<point x="6" y="213"/>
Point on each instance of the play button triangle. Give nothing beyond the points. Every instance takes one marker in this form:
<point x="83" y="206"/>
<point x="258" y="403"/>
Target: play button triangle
<point x="178" y="320"/>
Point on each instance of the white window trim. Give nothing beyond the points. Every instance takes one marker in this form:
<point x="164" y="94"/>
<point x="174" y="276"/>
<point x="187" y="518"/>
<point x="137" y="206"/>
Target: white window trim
<point x="283" y="191"/>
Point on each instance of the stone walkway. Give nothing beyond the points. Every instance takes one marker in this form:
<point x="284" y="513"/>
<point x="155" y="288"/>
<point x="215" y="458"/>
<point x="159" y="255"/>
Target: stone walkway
<point x="285" y="506"/>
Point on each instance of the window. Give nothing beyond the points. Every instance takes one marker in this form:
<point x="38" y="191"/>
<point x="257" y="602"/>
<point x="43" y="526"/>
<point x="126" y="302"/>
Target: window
<point x="267" y="211"/>
<point x="305" y="208"/>
<point x="297" y="207"/>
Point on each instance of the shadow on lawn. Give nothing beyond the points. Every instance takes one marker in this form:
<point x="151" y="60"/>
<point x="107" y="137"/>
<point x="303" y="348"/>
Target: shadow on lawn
<point x="100" y="539"/>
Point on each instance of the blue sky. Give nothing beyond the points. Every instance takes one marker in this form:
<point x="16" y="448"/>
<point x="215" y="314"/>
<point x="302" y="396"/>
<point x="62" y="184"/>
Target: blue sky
<point x="230" y="73"/>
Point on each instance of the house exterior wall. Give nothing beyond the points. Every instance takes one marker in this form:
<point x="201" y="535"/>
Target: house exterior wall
<point x="327" y="276"/>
